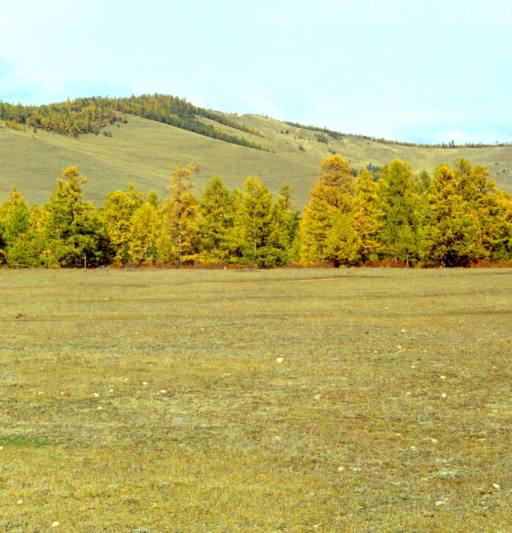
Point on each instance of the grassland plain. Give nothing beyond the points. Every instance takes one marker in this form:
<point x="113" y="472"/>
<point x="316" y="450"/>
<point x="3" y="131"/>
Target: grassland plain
<point x="287" y="400"/>
<point x="144" y="152"/>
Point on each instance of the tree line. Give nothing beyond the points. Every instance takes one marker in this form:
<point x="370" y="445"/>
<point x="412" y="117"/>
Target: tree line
<point x="93" y="115"/>
<point x="455" y="217"/>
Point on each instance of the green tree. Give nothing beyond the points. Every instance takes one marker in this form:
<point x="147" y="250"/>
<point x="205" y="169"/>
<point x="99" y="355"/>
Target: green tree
<point x="287" y="222"/>
<point x="398" y="200"/>
<point x="75" y="232"/>
<point x="258" y="229"/>
<point x="216" y="222"/>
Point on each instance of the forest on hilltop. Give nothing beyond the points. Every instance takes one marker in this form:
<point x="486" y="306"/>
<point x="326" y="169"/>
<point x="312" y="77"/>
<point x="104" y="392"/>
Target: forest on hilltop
<point x="456" y="217"/>
<point x="96" y="115"/>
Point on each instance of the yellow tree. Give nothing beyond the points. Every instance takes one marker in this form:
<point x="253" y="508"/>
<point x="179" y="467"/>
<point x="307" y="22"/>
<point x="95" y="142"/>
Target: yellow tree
<point x="178" y="241"/>
<point x="367" y="217"/>
<point x="145" y="227"/>
<point x="117" y="213"/>
<point x="330" y="198"/>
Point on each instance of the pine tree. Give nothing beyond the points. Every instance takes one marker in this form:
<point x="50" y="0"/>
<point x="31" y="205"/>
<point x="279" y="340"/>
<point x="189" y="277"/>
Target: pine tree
<point x="217" y="218"/>
<point x="481" y="195"/>
<point x="398" y="200"/>
<point x="330" y="197"/>
<point x="178" y="242"/>
<point x="145" y="228"/>
<point x="257" y="227"/>
<point x="75" y="232"/>
<point x="287" y="222"/>
<point x="14" y="225"/>
<point x="117" y="212"/>
<point x="367" y="217"/>
<point x="451" y="233"/>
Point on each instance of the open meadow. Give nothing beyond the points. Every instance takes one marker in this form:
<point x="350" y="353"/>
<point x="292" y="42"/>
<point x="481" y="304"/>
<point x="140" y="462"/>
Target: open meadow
<point x="289" y="400"/>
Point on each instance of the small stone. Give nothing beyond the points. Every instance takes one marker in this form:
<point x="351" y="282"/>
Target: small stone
<point x="1" y="447"/>
<point x="496" y="486"/>
<point x="163" y="391"/>
<point x="279" y="360"/>
<point x="55" y="524"/>
<point x="341" y="468"/>
<point x="442" y="377"/>
<point x="434" y="441"/>
<point x="111" y="391"/>
<point x="100" y="408"/>
<point x="440" y="502"/>
<point x="318" y="396"/>
<point x="403" y="330"/>
<point x="96" y="395"/>
<point x="20" y="502"/>
<point x="144" y="383"/>
<point x="443" y="395"/>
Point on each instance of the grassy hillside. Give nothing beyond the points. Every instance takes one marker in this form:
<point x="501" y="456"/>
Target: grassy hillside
<point x="143" y="152"/>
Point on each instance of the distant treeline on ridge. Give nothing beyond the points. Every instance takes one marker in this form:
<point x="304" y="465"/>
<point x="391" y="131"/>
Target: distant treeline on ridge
<point x="95" y="115"/>
<point x="456" y="217"/>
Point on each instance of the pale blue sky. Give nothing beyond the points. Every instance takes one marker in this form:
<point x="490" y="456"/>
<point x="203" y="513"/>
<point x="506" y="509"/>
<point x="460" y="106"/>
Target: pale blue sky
<point x="424" y="70"/>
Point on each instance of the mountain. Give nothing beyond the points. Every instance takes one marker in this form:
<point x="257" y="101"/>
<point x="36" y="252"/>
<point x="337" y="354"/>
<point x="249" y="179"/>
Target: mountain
<point x="140" y="141"/>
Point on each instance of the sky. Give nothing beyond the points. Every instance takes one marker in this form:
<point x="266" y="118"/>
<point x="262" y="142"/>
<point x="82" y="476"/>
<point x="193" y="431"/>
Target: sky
<point x="414" y="70"/>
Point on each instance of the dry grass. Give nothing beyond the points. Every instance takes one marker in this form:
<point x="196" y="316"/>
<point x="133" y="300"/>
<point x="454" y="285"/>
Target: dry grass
<point x="291" y="400"/>
<point x="144" y="152"/>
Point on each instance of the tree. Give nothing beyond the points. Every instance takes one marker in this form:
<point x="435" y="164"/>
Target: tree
<point x="287" y="222"/>
<point x="482" y="199"/>
<point x="145" y="228"/>
<point x="14" y="221"/>
<point x="75" y="232"/>
<point x="257" y="227"/>
<point x="451" y="233"/>
<point x="216" y="222"/>
<point x="398" y="200"/>
<point x="118" y="210"/>
<point x="178" y="242"/>
<point x="367" y="217"/>
<point x="330" y="197"/>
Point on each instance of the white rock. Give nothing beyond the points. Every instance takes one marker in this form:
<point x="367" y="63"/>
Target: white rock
<point x="55" y="524"/>
<point x="279" y="359"/>
<point x="96" y="395"/>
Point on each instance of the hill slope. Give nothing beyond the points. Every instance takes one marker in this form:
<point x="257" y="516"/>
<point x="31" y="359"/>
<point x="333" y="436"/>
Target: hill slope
<point x="143" y="152"/>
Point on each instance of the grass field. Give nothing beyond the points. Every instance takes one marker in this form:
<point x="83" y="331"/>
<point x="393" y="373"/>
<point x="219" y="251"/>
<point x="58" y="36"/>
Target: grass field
<point x="289" y="400"/>
<point x="144" y="152"/>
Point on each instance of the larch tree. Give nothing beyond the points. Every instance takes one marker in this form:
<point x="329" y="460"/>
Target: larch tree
<point x="331" y="199"/>
<point x="451" y="229"/>
<point x="257" y="228"/>
<point x="367" y="217"/>
<point x="145" y="228"/>
<point x="216" y="222"/>
<point x="76" y="234"/>
<point x="178" y="242"/>
<point x="117" y="212"/>
<point x="398" y="200"/>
